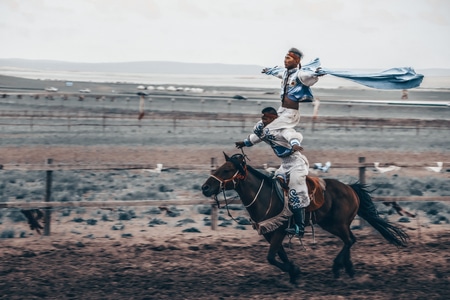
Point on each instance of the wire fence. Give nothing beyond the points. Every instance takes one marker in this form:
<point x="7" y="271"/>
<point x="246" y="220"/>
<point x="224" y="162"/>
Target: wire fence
<point x="49" y="167"/>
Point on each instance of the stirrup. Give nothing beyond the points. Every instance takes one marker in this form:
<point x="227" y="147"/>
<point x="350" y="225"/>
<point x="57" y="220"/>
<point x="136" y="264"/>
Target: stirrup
<point x="295" y="231"/>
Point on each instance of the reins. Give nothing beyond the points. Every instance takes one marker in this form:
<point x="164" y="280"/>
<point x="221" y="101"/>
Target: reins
<point x="233" y="178"/>
<point x="223" y="183"/>
<point x="239" y="176"/>
<point x="256" y="196"/>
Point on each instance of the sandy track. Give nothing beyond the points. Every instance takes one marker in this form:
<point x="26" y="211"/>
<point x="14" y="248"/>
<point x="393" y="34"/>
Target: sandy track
<point x="226" y="264"/>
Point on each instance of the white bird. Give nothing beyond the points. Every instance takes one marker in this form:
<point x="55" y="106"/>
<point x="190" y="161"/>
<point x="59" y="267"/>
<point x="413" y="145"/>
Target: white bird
<point x="323" y="168"/>
<point x="158" y="169"/>
<point x="436" y="169"/>
<point x="326" y="167"/>
<point x="385" y="169"/>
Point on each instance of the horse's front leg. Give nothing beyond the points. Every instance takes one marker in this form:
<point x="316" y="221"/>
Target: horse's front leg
<point x="294" y="270"/>
<point x="276" y="239"/>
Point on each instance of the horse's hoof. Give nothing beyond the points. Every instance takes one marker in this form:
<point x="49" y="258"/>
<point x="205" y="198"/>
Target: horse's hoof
<point x="350" y="270"/>
<point x="351" y="273"/>
<point x="294" y="273"/>
<point x="293" y="280"/>
<point x="336" y="273"/>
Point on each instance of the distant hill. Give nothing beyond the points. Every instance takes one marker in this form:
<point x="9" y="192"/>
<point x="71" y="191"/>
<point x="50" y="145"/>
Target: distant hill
<point x="164" y="67"/>
<point x="155" y="67"/>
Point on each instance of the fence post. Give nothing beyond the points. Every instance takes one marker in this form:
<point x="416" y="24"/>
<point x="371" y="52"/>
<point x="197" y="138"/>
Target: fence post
<point x="202" y="101"/>
<point x="362" y="180"/>
<point x="103" y="122"/>
<point x="362" y="170"/>
<point x="214" y="216"/>
<point x="213" y="165"/>
<point x="48" y="194"/>
<point x="214" y="208"/>
<point x="174" y="123"/>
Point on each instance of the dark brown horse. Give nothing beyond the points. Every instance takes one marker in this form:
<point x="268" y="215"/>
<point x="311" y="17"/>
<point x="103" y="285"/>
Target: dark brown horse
<point x="270" y="214"/>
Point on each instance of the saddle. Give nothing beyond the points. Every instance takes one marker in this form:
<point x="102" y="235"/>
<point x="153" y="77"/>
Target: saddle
<point x="316" y="189"/>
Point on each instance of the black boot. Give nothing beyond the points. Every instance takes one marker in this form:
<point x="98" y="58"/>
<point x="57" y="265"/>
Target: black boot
<point x="299" y="226"/>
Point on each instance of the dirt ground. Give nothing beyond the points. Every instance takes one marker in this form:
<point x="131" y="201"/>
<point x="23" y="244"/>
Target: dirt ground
<point x="222" y="264"/>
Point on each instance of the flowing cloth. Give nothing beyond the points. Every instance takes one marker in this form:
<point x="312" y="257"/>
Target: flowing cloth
<point x="395" y="78"/>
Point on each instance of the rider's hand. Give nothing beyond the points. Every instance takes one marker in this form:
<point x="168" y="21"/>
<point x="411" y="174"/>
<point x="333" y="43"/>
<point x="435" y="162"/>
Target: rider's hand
<point x="297" y="148"/>
<point x="319" y="72"/>
<point x="264" y="70"/>
<point x="240" y="145"/>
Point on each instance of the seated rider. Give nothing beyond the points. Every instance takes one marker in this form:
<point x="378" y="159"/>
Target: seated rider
<point x="295" y="88"/>
<point x="285" y="143"/>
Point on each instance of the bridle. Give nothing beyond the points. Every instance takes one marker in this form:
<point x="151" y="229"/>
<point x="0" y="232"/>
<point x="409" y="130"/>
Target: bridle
<point x="236" y="175"/>
<point x="235" y="180"/>
<point x="223" y="182"/>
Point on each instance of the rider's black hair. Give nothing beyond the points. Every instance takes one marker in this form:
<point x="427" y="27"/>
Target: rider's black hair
<point x="269" y="110"/>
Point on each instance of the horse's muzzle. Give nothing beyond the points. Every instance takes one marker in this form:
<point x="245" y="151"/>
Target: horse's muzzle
<point x="207" y="191"/>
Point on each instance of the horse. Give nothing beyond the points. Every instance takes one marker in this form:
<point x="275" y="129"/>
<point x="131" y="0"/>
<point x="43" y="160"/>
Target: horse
<point x="270" y="213"/>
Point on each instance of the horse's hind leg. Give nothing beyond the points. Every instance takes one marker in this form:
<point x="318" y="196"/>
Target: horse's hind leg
<point x="348" y="264"/>
<point x="343" y="259"/>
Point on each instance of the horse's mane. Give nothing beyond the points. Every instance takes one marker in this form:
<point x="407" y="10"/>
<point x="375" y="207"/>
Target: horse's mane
<point x="258" y="173"/>
<point x="236" y="160"/>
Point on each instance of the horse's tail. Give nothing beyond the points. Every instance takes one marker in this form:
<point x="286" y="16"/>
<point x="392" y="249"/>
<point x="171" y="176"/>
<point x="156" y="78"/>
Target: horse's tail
<point x="368" y="212"/>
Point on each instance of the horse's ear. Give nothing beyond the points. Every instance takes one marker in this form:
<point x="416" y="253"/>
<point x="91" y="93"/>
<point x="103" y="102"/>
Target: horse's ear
<point x="227" y="158"/>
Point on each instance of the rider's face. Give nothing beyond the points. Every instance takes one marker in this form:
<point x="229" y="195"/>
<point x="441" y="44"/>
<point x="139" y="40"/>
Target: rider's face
<point x="290" y="62"/>
<point x="267" y="119"/>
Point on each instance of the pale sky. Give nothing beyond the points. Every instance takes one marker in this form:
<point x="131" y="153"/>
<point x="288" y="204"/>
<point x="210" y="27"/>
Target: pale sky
<point x="343" y="33"/>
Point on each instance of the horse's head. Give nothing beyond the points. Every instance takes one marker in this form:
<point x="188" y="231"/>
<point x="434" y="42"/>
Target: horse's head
<point x="227" y="176"/>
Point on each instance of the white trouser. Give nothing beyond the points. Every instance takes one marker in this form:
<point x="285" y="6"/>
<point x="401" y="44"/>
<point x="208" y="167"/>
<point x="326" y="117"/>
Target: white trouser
<point x="287" y="118"/>
<point x="296" y="167"/>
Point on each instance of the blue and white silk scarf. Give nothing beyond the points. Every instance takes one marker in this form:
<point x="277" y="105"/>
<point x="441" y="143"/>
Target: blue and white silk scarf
<point x="395" y="78"/>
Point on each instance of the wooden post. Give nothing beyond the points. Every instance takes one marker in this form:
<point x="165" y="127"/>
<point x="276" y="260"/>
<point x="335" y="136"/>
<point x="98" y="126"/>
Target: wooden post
<point x="202" y="101"/>
<point x="150" y="100"/>
<point x="362" y="180"/>
<point x="362" y="170"/>
<point x="214" y="208"/>
<point x="214" y="216"/>
<point x="48" y="194"/>
<point x="213" y="164"/>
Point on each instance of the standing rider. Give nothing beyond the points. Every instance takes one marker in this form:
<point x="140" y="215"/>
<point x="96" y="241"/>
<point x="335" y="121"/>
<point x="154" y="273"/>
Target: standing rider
<point x="285" y="143"/>
<point x="295" y="88"/>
